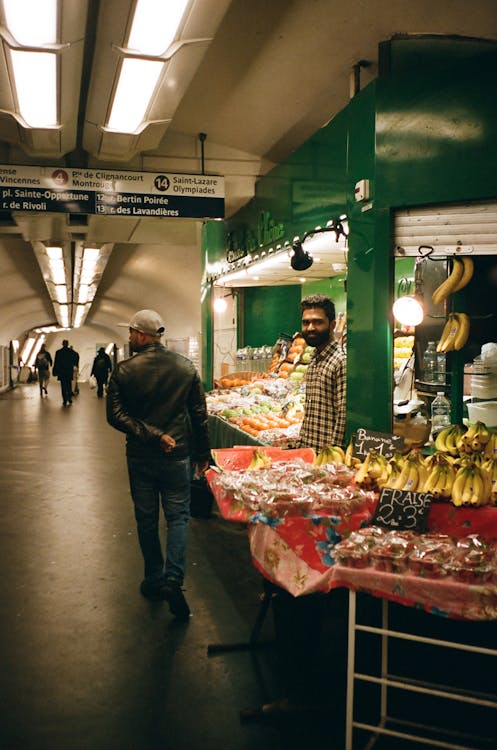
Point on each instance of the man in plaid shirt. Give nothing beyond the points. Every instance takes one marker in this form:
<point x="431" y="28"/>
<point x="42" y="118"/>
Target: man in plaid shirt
<point x="324" y="419"/>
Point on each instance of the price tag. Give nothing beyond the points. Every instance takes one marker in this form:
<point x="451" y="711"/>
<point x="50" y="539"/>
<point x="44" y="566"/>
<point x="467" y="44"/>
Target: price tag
<point x="401" y="509"/>
<point x="381" y="442"/>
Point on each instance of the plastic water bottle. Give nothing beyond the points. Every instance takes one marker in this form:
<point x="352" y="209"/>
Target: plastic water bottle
<point x="441" y="368"/>
<point x="430" y="363"/>
<point x="440" y="413"/>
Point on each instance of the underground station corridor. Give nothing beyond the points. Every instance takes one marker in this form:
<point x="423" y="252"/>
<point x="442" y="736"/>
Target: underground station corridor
<point x="87" y="662"/>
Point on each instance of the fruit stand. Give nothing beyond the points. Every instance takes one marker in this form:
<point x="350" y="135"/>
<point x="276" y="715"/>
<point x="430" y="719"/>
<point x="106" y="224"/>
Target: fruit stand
<point x="306" y="545"/>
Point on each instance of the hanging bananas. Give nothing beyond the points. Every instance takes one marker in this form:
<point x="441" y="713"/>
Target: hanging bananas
<point x="460" y="275"/>
<point x="455" y="333"/>
<point x="467" y="273"/>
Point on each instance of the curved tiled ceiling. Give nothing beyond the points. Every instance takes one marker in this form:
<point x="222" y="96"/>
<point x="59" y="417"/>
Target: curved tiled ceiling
<point x="273" y="73"/>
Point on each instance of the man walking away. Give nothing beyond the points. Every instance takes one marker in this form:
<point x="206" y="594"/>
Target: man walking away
<point x="101" y="368"/>
<point x="157" y="399"/>
<point x="64" y="364"/>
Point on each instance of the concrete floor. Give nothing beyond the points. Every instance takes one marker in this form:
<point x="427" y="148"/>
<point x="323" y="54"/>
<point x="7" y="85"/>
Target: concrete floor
<point x="86" y="662"/>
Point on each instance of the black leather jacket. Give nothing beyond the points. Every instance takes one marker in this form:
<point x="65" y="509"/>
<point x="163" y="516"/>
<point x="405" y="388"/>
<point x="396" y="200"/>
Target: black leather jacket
<point x="154" y="392"/>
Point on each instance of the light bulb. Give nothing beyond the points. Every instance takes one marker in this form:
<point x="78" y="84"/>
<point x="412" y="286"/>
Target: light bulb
<point x="220" y="305"/>
<point x="408" y="310"/>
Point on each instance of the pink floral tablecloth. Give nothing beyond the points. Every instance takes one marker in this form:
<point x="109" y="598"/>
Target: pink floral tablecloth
<point x="296" y="553"/>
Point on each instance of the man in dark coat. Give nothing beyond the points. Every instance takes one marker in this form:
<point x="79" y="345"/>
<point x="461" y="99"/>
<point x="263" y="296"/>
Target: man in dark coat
<point x="101" y="368"/>
<point x="63" y="369"/>
<point x="156" y="398"/>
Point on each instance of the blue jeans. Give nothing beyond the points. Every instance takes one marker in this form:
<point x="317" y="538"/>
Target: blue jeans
<point x="156" y="481"/>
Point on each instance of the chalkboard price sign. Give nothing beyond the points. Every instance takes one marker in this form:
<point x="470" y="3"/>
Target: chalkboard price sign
<point x="381" y="442"/>
<point x="401" y="509"/>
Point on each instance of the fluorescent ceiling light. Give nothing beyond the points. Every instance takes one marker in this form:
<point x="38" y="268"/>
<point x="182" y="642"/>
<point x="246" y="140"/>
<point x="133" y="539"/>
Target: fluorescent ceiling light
<point x="57" y="271"/>
<point x="91" y="253"/>
<point x="63" y="314"/>
<point x="83" y="293"/>
<point x="35" y="75"/>
<point x="137" y="82"/>
<point x="32" y="23"/>
<point x="155" y="24"/>
<point x="79" y="315"/>
<point x="61" y="293"/>
<point x="54" y="252"/>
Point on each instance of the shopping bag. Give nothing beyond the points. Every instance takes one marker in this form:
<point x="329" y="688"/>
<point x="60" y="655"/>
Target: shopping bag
<point x="92" y="381"/>
<point x="202" y="498"/>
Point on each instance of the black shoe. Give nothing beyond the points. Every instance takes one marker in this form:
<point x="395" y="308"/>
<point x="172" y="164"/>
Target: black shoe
<point x="153" y="592"/>
<point x="176" y="600"/>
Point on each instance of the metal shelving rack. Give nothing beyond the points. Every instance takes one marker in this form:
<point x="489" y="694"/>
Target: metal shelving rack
<point x="409" y="730"/>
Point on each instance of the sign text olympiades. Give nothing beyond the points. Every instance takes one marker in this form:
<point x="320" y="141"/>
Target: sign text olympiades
<point x="111" y="192"/>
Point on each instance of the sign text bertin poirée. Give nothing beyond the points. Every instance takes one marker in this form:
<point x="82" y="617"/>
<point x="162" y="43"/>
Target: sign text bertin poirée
<point x="110" y="192"/>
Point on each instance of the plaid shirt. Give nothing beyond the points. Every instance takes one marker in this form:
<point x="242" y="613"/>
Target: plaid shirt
<point x="324" y="419"/>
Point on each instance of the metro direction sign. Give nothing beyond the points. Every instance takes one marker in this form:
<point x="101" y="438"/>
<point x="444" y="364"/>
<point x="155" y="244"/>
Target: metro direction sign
<point x="109" y="192"/>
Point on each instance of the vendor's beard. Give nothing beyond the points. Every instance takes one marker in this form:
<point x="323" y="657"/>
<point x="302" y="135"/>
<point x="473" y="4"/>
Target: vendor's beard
<point x="317" y="339"/>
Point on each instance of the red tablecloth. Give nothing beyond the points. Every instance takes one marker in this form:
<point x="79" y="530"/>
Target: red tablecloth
<point x="296" y="553"/>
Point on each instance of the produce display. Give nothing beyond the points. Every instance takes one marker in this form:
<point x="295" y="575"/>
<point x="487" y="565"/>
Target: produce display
<point x="467" y="560"/>
<point x="463" y="469"/>
<point x="291" y="487"/>
<point x="295" y="363"/>
<point x="270" y="410"/>
<point x="402" y="351"/>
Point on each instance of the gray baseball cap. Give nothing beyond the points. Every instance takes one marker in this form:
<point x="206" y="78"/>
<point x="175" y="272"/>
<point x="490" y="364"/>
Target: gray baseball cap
<point x="146" y="321"/>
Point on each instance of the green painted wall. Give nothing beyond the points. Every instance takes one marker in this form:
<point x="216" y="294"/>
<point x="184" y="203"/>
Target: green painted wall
<point x="213" y="238"/>
<point x="333" y="287"/>
<point x="269" y="311"/>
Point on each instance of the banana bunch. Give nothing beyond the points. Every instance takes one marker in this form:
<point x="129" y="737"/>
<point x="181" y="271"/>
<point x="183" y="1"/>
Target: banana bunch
<point x="260" y="460"/>
<point x="412" y="476"/>
<point x="441" y="476"/>
<point x="330" y="454"/>
<point x="472" y="486"/>
<point x="455" y="333"/>
<point x="490" y="451"/>
<point x="373" y="473"/>
<point x="460" y="275"/>
<point x="490" y="466"/>
<point x="474" y="439"/>
<point x="447" y="439"/>
<point x="350" y="460"/>
<point x="395" y="466"/>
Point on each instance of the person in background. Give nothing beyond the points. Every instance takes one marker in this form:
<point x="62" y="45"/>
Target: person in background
<point x="43" y="363"/>
<point x="63" y="368"/>
<point x="102" y="367"/>
<point x="157" y="399"/>
<point x="74" y="382"/>
<point x="324" y="408"/>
